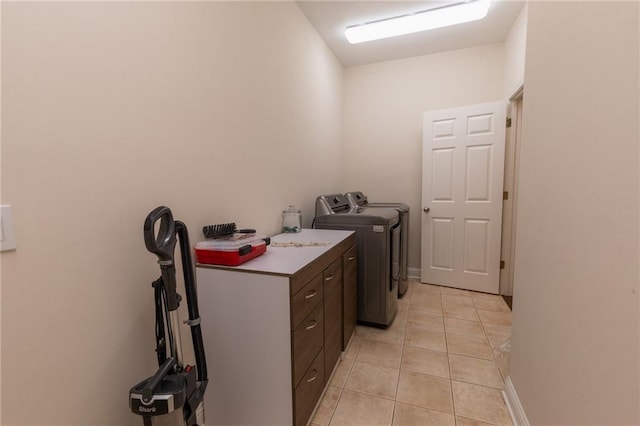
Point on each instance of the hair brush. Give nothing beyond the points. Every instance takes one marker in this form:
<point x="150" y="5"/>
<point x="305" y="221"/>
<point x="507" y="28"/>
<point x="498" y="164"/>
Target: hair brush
<point x="224" y="230"/>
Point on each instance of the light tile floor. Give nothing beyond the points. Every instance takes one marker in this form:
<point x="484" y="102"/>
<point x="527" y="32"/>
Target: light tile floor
<point x="441" y="362"/>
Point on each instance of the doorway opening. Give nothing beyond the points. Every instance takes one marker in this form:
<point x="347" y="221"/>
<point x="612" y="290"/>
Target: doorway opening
<point x="510" y="196"/>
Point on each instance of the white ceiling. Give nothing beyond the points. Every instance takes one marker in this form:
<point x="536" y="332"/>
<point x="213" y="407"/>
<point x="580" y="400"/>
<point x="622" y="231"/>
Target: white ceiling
<point x="330" y="18"/>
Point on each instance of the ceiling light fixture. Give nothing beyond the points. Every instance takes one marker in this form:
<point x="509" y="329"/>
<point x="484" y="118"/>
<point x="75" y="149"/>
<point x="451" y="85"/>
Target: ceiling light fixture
<point x="457" y="13"/>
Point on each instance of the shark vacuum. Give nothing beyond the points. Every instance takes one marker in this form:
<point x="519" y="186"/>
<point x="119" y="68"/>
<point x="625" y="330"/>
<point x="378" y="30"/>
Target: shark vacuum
<point x="174" y="395"/>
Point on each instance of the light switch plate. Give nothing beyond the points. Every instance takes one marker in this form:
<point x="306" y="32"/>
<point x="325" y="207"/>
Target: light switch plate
<point x="7" y="235"/>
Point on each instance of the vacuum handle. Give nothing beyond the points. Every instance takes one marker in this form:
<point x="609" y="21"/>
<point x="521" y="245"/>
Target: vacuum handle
<point x="154" y="381"/>
<point x="163" y="244"/>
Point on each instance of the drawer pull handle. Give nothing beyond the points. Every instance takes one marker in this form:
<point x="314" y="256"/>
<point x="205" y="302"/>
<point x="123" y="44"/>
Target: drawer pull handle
<point x="315" y="375"/>
<point x="351" y="257"/>
<point x="312" y="325"/>
<point x="329" y="278"/>
<point x="310" y="295"/>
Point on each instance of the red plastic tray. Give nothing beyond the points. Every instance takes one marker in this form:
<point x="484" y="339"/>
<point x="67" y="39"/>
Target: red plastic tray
<point x="228" y="258"/>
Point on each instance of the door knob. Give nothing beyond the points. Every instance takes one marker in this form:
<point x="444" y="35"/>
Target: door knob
<point x="426" y="209"/>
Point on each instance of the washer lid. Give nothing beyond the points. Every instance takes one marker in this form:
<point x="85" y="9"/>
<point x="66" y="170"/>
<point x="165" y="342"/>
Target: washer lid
<point x="356" y="198"/>
<point x="390" y="213"/>
<point x="362" y="216"/>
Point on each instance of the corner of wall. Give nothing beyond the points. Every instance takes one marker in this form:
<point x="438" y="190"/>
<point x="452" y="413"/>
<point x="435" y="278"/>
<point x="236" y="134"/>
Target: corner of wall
<point x="0" y="201"/>
<point x="516" y="411"/>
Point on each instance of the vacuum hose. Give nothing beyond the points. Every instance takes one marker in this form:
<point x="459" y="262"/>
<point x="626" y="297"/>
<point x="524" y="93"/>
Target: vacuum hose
<point x="192" y="300"/>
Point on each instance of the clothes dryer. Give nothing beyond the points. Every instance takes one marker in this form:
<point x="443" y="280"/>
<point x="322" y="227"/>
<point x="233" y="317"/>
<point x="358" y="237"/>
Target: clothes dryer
<point x="358" y="199"/>
<point x="378" y="238"/>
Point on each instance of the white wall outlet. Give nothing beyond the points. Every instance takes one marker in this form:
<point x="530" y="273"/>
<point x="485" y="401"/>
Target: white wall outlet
<point x="7" y="236"/>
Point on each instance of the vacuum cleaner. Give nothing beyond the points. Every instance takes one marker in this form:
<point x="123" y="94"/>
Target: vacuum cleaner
<point x="174" y="395"/>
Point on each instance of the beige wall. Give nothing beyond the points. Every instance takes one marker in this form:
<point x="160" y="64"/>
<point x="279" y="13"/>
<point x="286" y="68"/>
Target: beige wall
<point x="0" y="199"/>
<point x="515" y="47"/>
<point x="575" y="316"/>
<point x="383" y="107"/>
<point x="224" y="112"/>
<point x="112" y="109"/>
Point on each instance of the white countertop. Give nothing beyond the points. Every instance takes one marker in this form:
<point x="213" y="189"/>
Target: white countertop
<point x="290" y="259"/>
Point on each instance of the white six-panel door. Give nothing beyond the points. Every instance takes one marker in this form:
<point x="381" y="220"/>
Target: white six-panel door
<point x="462" y="178"/>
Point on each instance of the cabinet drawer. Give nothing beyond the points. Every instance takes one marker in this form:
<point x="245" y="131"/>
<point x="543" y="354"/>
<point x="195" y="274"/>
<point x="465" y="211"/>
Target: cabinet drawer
<point x="308" y="392"/>
<point x="305" y="300"/>
<point x="307" y="341"/>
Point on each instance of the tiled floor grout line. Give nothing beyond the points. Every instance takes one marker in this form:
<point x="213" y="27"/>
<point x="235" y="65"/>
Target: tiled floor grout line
<point x="484" y="330"/>
<point x="448" y="364"/>
<point x="343" y="387"/>
<point x="333" y="412"/>
<point x="404" y="338"/>
<point x="453" y="400"/>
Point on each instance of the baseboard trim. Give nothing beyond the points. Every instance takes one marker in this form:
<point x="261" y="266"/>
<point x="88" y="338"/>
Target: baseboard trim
<point x="414" y="273"/>
<point x="518" y="416"/>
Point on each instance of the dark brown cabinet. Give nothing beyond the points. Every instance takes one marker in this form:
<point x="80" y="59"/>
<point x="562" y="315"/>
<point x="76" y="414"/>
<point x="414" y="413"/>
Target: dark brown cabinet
<point x="274" y="327"/>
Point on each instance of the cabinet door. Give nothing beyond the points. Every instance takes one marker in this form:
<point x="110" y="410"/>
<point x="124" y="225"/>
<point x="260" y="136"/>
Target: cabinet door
<point x="350" y="294"/>
<point x="332" y="316"/>
<point x="308" y="391"/>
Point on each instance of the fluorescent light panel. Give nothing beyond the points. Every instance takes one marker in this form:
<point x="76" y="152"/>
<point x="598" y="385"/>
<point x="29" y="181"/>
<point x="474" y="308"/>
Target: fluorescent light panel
<point x="420" y="21"/>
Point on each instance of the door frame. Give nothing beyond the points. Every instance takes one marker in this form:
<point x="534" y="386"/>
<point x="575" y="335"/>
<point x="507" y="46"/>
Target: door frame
<point x="509" y="206"/>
